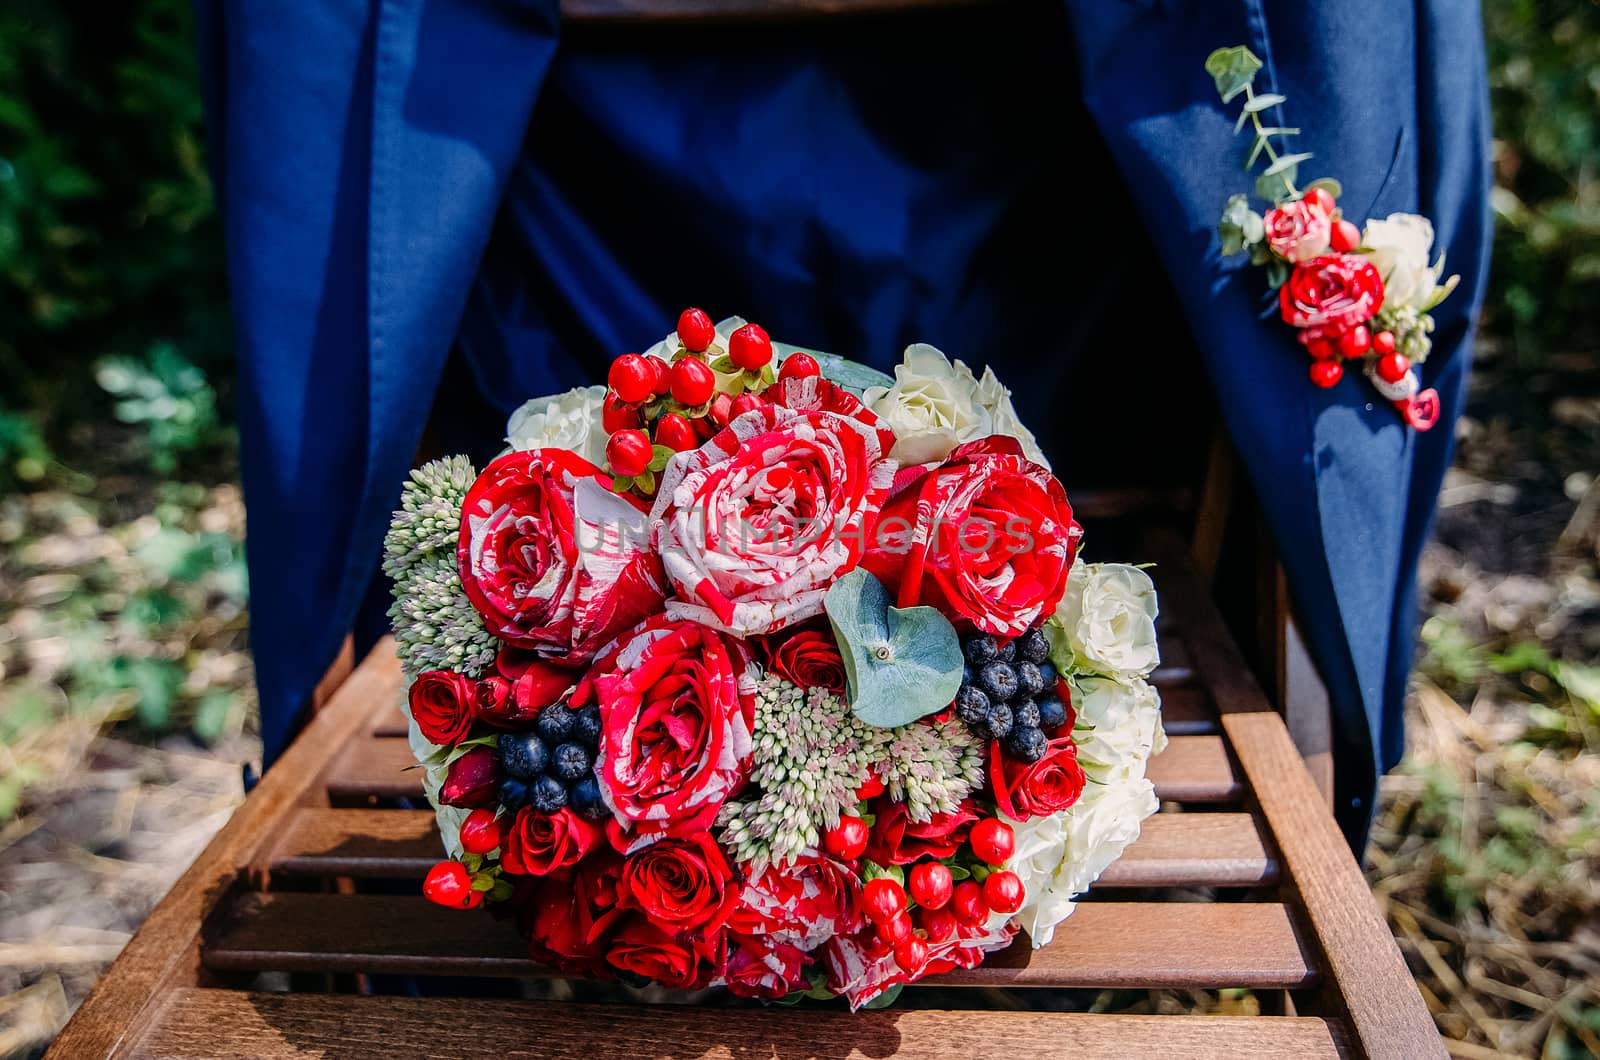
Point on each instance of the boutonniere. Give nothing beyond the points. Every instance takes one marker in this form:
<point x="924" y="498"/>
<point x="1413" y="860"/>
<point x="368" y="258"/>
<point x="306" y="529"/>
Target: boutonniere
<point x="1354" y="295"/>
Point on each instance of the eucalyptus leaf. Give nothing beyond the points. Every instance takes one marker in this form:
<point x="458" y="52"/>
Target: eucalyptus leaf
<point x="1278" y="186"/>
<point x="1263" y="101"/>
<point x="1327" y="184"/>
<point x="901" y="664"/>
<point x="849" y="374"/>
<point x="1233" y="69"/>
<point x="1286" y="162"/>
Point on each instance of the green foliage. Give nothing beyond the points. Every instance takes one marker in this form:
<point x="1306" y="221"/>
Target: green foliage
<point x="1545" y="277"/>
<point x="901" y="663"/>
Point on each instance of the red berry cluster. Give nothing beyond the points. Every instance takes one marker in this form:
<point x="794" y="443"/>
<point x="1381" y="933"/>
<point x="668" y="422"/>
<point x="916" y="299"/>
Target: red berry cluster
<point x="464" y="884"/>
<point x="654" y="408"/>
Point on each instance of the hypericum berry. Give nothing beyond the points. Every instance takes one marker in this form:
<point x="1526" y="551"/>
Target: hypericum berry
<point x="588" y="726"/>
<point x="480" y="832"/>
<point x="847" y="840"/>
<point x="742" y="404"/>
<point x="693" y="382"/>
<point x="998" y="681"/>
<point x="616" y="415"/>
<point x="556" y="724"/>
<point x="980" y="650"/>
<point x="911" y="954"/>
<point x="628" y="452"/>
<point x="547" y="794"/>
<point x="1320" y="198"/>
<point x="931" y="884"/>
<point x="1034" y="646"/>
<point x="631" y="378"/>
<point x="993" y="841"/>
<point x="1052" y="712"/>
<point x="966" y="902"/>
<point x="1326" y="373"/>
<point x="1003" y="892"/>
<point x="939" y="924"/>
<point x="449" y="885"/>
<point x="799" y="366"/>
<point x="1027" y="743"/>
<point x="523" y="755"/>
<point x="1000" y="720"/>
<point x="571" y="761"/>
<point x="586" y="800"/>
<point x="1383" y="343"/>
<point x="1345" y="236"/>
<point x="897" y="928"/>
<point x="720" y="411"/>
<point x="1030" y="682"/>
<point x="750" y="348"/>
<point x="695" y="329"/>
<point x="882" y="899"/>
<point x="674" y="432"/>
<point x="871" y="789"/>
<point x="1392" y="367"/>
<point x="1355" y="342"/>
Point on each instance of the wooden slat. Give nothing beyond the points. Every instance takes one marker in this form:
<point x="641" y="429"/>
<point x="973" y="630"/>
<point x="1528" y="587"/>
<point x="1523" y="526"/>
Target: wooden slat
<point x="1368" y="977"/>
<point x="1191" y="769"/>
<point x="1173" y="850"/>
<point x="1103" y="944"/>
<point x="165" y="950"/>
<point x="239" y="1026"/>
<point x="1188" y="711"/>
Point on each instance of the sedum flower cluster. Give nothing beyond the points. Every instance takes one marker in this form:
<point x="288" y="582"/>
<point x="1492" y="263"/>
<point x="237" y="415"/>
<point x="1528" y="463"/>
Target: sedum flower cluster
<point x="812" y="755"/>
<point x="435" y="625"/>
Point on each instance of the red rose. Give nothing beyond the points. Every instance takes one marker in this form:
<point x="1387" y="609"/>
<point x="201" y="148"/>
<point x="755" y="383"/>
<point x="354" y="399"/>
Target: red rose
<point x="685" y="885"/>
<point x="1327" y="296"/>
<point x="757" y="523"/>
<point x="551" y="558"/>
<point x="809" y="658"/>
<point x="677" y="708"/>
<point x="759" y="966"/>
<point x="987" y="538"/>
<point x="567" y="915"/>
<point x="803" y="903"/>
<point x="1298" y="230"/>
<point x="1023" y="790"/>
<point x="897" y="840"/>
<point x="642" y="948"/>
<point x="441" y="705"/>
<point x="473" y="780"/>
<point x="524" y="685"/>
<point x="539" y="843"/>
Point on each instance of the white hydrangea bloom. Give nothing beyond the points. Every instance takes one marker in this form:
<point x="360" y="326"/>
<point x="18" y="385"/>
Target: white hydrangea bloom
<point x="562" y="421"/>
<point x="1106" y="621"/>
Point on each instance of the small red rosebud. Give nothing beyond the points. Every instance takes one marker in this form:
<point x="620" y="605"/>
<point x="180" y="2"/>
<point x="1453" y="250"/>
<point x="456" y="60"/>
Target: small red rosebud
<point x="1326" y="373"/>
<point x="799" y="366"/>
<point x="1355" y="342"/>
<point x="616" y="415"/>
<point x="674" y="432"/>
<point x="1383" y="343"/>
<point x="750" y="348"/>
<point x="480" y="832"/>
<point x="693" y="382"/>
<point x="931" y="885"/>
<point x="911" y="954"/>
<point x="847" y="840"/>
<point x="1345" y="236"/>
<point x="1003" y="892"/>
<point x="449" y="885"/>
<point x="695" y="330"/>
<point x="1321" y="199"/>
<point x="883" y="899"/>
<point x="629" y="452"/>
<point x="1392" y="367"/>
<point x="473" y="780"/>
<point x="631" y="378"/>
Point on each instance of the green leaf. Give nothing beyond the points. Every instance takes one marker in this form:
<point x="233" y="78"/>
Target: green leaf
<point x="852" y="375"/>
<point x="1240" y="225"/>
<point x="1286" y="162"/>
<point x="483" y="882"/>
<point x="1277" y="273"/>
<point x="1255" y="152"/>
<point x="1263" y="101"/>
<point x="501" y="890"/>
<point x="659" y="455"/>
<point x="885" y="999"/>
<point x="1327" y="184"/>
<point x="1233" y="69"/>
<point x="473" y="862"/>
<point x="901" y="664"/>
<point x="646" y="481"/>
<point x="1277" y="130"/>
<point x="1276" y="187"/>
<point x="211" y="716"/>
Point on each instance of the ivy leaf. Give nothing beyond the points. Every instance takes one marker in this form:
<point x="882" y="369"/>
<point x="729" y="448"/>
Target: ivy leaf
<point x="1233" y="69"/>
<point x="901" y="664"/>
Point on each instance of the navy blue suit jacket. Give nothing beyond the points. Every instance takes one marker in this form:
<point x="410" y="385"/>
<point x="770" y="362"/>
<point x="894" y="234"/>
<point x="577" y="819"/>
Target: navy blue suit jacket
<point x="404" y="178"/>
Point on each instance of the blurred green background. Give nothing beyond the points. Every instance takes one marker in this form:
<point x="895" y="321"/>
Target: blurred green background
<point x="122" y="588"/>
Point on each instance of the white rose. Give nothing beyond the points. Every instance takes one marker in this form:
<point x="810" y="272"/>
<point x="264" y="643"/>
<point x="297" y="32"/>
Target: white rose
<point x="1041" y="848"/>
<point x="932" y="407"/>
<point x="562" y="421"/>
<point x="1122" y="718"/>
<point x="1108" y="619"/>
<point x="996" y="400"/>
<point x="1400" y="247"/>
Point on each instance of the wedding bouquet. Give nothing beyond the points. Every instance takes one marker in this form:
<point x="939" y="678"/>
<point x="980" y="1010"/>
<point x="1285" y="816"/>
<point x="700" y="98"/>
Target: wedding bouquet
<point x="762" y="669"/>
